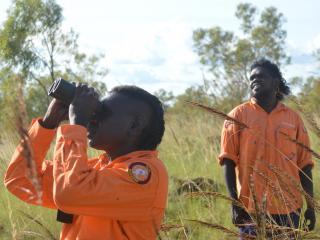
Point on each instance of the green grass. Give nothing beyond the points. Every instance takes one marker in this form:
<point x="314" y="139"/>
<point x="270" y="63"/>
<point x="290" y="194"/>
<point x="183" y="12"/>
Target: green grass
<point x="189" y="149"/>
<point x="13" y="223"/>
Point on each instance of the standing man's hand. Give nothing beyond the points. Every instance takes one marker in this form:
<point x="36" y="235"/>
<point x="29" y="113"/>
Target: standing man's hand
<point x="310" y="219"/>
<point x="85" y="103"/>
<point x="56" y="113"/>
<point x="239" y="215"/>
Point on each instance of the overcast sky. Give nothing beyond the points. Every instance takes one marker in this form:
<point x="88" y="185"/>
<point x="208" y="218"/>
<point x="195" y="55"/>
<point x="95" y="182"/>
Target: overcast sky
<point x="149" y="43"/>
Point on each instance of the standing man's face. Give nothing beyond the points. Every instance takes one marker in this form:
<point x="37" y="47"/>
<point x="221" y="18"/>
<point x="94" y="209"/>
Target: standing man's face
<point x="262" y="84"/>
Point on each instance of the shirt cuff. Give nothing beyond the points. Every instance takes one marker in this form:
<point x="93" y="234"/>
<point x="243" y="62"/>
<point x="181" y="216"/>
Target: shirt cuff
<point x="225" y="155"/>
<point x="306" y="163"/>
<point x="37" y="132"/>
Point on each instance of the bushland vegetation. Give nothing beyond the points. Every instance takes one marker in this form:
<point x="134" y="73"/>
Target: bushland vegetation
<point x="35" y="50"/>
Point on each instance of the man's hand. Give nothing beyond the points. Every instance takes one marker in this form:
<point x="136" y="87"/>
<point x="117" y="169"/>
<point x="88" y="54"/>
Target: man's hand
<point x="56" y="113"/>
<point x="85" y="103"/>
<point x="239" y="215"/>
<point x="309" y="219"/>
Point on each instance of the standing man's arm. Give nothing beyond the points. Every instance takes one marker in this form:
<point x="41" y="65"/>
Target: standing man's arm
<point x="305" y="164"/>
<point x="239" y="215"/>
<point x="229" y="159"/>
<point x="230" y="178"/>
<point x="307" y="185"/>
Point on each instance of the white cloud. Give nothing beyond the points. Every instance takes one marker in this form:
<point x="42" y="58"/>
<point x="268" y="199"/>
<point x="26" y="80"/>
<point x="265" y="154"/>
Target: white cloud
<point x="301" y="70"/>
<point x="148" y="44"/>
<point x="316" y="42"/>
<point x="307" y="47"/>
<point x="154" y="56"/>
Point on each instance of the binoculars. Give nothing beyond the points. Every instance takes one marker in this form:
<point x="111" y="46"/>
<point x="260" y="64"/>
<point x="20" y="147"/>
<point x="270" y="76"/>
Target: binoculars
<point x="62" y="90"/>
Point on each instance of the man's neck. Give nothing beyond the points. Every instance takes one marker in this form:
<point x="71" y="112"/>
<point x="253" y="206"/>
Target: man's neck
<point x="267" y="103"/>
<point x="120" y="152"/>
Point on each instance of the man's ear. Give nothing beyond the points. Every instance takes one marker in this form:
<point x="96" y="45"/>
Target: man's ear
<point x="137" y="125"/>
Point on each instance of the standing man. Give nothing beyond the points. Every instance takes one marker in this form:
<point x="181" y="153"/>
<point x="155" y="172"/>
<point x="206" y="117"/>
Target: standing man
<point x="119" y="195"/>
<point x="264" y="146"/>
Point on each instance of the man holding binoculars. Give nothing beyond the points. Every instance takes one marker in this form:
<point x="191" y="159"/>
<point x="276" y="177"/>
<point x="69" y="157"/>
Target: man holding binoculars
<point x="119" y="195"/>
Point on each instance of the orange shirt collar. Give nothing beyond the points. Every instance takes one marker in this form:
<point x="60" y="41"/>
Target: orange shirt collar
<point x="280" y="106"/>
<point x="105" y="158"/>
<point x="136" y="154"/>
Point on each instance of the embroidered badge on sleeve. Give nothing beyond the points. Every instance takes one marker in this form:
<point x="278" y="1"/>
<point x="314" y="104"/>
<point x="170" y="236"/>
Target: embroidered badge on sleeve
<point x="139" y="172"/>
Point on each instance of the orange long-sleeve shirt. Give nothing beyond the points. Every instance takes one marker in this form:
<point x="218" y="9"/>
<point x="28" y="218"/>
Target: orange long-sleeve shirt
<point x="107" y="198"/>
<point x="265" y="144"/>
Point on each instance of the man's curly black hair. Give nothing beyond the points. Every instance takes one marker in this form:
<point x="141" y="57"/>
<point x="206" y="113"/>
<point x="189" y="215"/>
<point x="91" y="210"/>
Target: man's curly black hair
<point x="153" y="132"/>
<point x="275" y="72"/>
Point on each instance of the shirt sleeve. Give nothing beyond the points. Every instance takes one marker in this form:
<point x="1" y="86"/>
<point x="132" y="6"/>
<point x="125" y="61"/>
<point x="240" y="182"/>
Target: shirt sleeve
<point x="304" y="156"/>
<point x="108" y="192"/>
<point x="17" y="177"/>
<point x="230" y="140"/>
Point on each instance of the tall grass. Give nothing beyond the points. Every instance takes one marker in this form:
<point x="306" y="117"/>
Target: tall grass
<point x="13" y="221"/>
<point x="189" y="149"/>
<point x="187" y="160"/>
<point x="194" y="155"/>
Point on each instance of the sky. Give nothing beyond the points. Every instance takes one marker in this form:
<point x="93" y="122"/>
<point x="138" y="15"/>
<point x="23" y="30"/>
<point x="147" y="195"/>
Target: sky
<point x="148" y="43"/>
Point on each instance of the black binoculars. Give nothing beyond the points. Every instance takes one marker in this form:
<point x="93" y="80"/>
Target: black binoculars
<point x="62" y="90"/>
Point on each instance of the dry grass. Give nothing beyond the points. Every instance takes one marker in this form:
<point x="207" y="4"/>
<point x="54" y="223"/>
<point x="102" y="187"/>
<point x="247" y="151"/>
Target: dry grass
<point x="229" y="232"/>
<point x="20" y="120"/>
<point x="218" y="113"/>
<point x="49" y="234"/>
<point x="216" y="195"/>
<point x="309" y="117"/>
<point x="259" y="216"/>
<point x="201" y="215"/>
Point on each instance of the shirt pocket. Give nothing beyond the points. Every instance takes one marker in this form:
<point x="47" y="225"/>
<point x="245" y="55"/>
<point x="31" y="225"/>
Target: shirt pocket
<point x="286" y="137"/>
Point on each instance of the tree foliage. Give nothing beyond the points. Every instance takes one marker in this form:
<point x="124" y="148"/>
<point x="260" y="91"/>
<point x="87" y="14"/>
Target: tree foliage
<point x="193" y="94"/>
<point x="166" y="97"/>
<point x="34" y="46"/>
<point x="227" y="57"/>
<point x="309" y="95"/>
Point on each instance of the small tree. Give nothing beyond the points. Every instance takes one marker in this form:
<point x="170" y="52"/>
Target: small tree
<point x="34" y="46"/>
<point x="226" y="57"/>
<point x="165" y="97"/>
<point x="309" y="96"/>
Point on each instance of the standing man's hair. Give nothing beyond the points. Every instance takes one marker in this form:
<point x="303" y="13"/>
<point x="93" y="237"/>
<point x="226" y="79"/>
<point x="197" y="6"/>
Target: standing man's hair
<point x="275" y="72"/>
<point x="153" y="132"/>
